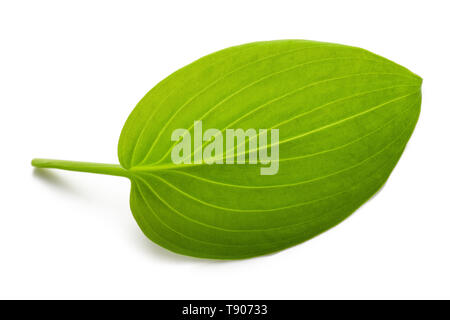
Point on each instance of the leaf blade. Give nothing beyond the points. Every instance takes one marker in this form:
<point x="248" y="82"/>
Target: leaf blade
<point x="344" y="116"/>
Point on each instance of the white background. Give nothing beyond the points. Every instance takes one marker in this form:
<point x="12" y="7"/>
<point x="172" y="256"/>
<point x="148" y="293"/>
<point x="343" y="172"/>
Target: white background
<point x="72" y="71"/>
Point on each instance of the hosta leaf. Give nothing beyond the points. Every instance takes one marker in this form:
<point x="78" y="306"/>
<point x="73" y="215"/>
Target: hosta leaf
<point x="344" y="116"/>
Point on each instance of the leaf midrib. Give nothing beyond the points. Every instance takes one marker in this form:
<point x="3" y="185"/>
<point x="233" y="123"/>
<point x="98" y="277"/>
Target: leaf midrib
<point x="159" y="167"/>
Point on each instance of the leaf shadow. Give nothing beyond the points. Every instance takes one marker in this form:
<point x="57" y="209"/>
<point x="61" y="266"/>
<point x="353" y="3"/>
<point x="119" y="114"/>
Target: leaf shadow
<point x="80" y="190"/>
<point x="54" y="180"/>
<point x="168" y="256"/>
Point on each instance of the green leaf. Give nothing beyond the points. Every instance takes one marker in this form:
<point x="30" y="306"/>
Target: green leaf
<point x="344" y="116"/>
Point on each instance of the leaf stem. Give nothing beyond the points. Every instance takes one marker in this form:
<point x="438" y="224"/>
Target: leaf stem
<point x="91" y="167"/>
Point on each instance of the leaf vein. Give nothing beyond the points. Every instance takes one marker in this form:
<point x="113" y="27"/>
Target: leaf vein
<point x="310" y="111"/>
<point x="147" y="123"/>
<point x="252" y="84"/>
<point x="287" y="185"/>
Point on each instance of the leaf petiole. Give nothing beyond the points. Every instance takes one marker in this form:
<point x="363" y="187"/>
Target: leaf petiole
<point x="91" y="167"/>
